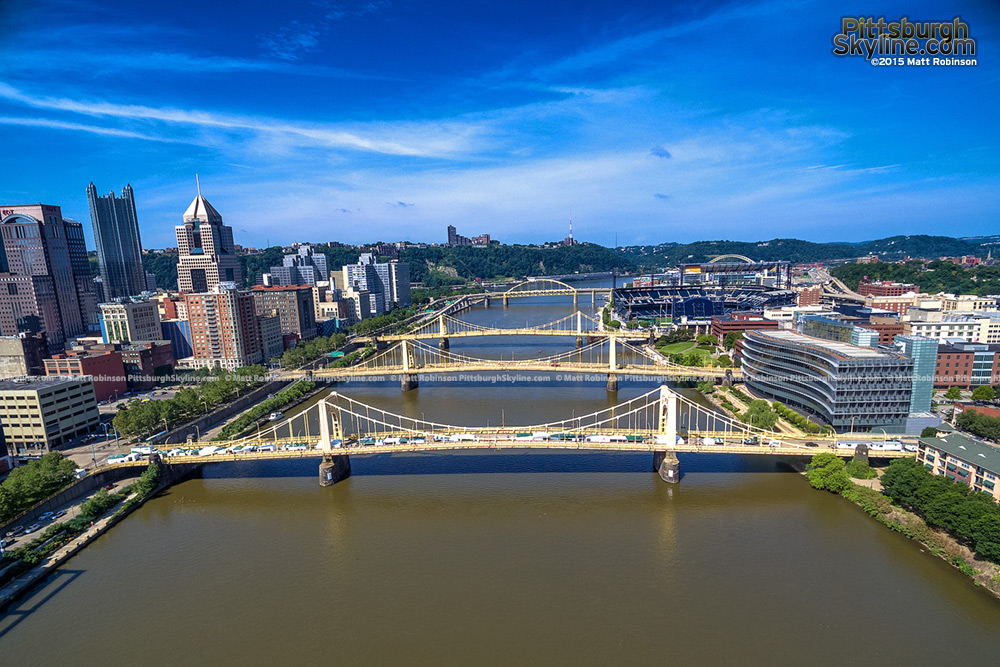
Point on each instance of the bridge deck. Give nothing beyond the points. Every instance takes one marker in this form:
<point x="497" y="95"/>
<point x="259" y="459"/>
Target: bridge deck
<point x="665" y="371"/>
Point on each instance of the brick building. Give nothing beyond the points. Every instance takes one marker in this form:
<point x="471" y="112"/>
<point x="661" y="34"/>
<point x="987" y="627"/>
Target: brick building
<point x="225" y="332"/>
<point x="886" y="288"/>
<point x="292" y="304"/>
<point x="103" y="367"/>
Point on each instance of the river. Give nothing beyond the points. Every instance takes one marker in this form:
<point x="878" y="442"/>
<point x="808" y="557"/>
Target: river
<point x="498" y="558"/>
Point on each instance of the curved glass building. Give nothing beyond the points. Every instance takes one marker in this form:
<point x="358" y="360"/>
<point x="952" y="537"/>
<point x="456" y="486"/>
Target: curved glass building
<point x="849" y="387"/>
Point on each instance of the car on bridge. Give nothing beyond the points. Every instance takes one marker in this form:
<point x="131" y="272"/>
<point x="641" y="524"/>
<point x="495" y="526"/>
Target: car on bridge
<point x="267" y="448"/>
<point x="296" y="447"/>
<point x="463" y="437"/>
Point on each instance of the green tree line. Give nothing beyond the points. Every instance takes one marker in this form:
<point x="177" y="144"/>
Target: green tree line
<point x="143" y="418"/>
<point x="34" y="482"/>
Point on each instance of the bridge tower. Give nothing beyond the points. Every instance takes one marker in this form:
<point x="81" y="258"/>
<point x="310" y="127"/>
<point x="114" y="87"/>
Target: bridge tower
<point x="612" y="365"/>
<point x="443" y="344"/>
<point x="666" y="462"/>
<point x="579" y="329"/>
<point x="408" y="380"/>
<point x="334" y="467"/>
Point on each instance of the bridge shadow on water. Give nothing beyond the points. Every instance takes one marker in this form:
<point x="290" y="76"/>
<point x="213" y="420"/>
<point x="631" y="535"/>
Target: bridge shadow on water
<point x="32" y="599"/>
<point x="506" y="462"/>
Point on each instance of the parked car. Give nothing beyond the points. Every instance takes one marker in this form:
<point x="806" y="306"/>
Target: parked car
<point x="811" y="444"/>
<point x="32" y="528"/>
<point x="46" y="516"/>
<point x="108" y="487"/>
<point x="60" y="513"/>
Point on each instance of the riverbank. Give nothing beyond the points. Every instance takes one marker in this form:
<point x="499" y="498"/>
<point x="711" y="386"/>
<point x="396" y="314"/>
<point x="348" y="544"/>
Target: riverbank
<point x="165" y="477"/>
<point x="867" y="495"/>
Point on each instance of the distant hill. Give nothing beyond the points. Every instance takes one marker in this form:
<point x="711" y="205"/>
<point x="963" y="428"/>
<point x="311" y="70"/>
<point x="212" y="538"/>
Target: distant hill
<point x="513" y="261"/>
<point x="794" y="250"/>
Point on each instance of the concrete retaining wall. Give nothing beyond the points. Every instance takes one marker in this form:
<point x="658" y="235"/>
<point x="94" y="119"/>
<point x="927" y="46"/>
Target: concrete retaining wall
<point x="81" y="487"/>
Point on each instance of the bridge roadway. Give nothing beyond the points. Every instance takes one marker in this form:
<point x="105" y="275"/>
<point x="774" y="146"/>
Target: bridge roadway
<point x="509" y="438"/>
<point x="527" y="366"/>
<point x="481" y="333"/>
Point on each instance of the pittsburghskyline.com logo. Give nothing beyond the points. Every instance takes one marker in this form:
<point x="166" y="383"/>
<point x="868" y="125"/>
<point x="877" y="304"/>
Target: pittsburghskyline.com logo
<point x="906" y="42"/>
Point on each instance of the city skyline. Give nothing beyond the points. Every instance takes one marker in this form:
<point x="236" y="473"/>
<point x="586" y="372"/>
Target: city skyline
<point x="658" y="123"/>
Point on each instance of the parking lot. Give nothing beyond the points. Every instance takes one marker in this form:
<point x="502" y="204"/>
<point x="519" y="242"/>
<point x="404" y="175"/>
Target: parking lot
<point x="13" y="538"/>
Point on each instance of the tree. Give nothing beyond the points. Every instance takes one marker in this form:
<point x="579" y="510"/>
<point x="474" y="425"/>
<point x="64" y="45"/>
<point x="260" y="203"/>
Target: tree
<point x="760" y="414"/>
<point x="929" y="432"/>
<point x="729" y="342"/>
<point x="706" y="387"/>
<point x="827" y="471"/>
<point x="986" y="534"/>
<point x="953" y="394"/>
<point x="983" y="393"/>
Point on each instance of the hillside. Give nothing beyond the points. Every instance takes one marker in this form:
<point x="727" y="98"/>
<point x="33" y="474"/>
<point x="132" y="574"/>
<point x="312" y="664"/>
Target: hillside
<point x="515" y="261"/>
<point x="794" y="250"/>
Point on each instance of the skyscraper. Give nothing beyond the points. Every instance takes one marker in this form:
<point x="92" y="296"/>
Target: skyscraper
<point x="119" y="249"/>
<point x="45" y="282"/>
<point x="206" y="252"/>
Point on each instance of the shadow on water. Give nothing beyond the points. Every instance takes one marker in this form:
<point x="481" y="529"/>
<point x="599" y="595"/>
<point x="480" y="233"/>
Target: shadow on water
<point x="52" y="585"/>
<point x="480" y="462"/>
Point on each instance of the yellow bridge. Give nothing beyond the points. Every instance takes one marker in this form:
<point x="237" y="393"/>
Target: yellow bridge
<point x="610" y="357"/>
<point x="578" y="325"/>
<point x="339" y="426"/>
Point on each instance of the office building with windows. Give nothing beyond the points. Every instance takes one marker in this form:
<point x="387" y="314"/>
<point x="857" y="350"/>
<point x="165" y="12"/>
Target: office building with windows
<point x="130" y="320"/>
<point x="849" y="387"/>
<point x="45" y="280"/>
<point x="119" y="248"/>
<point x="206" y="254"/>
<point x="924" y="353"/>
<point x="40" y="414"/>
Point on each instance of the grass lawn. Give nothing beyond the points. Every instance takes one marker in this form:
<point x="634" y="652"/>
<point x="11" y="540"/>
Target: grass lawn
<point x="675" y="348"/>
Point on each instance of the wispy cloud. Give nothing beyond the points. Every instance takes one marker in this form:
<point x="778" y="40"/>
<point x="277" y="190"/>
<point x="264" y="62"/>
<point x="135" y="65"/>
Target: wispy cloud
<point x="412" y="139"/>
<point x="660" y="195"/>
<point x="660" y="151"/>
<point x="399" y="204"/>
<point x="79" y="127"/>
<point x="110" y="61"/>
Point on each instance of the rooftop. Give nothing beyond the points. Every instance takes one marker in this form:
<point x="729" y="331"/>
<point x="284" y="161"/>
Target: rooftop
<point x="840" y="350"/>
<point x="968" y="449"/>
<point x="37" y="382"/>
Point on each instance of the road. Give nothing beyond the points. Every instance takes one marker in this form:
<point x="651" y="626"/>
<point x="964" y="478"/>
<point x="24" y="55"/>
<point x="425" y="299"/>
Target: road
<point x="72" y="510"/>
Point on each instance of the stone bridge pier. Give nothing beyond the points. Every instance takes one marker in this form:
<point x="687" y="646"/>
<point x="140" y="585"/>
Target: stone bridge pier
<point x="668" y="466"/>
<point x="334" y="468"/>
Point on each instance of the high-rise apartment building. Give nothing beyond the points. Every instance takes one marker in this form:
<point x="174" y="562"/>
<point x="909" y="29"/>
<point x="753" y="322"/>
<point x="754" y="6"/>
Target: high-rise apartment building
<point x="293" y="305"/>
<point x="225" y="332"/>
<point x="387" y="283"/>
<point x="119" y="248"/>
<point x="307" y="267"/>
<point x="45" y="281"/>
<point x="205" y="247"/>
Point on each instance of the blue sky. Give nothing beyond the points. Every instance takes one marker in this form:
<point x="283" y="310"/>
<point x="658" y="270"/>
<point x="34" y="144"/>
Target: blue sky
<point x="390" y="119"/>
